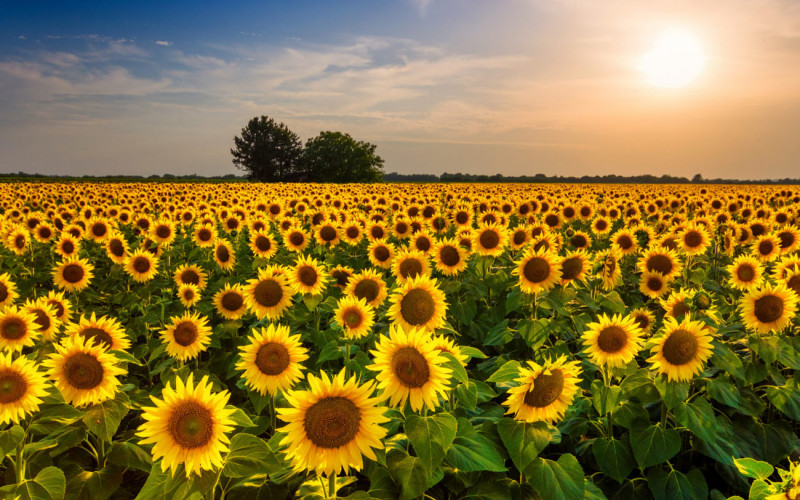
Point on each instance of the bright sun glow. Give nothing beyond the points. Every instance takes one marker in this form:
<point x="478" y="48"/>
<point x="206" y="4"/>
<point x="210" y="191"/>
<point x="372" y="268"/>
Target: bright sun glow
<point x="675" y="60"/>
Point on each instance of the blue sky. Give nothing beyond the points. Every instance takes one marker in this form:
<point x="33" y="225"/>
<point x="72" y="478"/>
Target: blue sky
<point x="509" y="86"/>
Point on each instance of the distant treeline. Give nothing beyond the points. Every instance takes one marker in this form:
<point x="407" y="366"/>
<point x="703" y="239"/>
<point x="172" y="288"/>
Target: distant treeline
<point x="586" y="179"/>
<point x="121" y="178"/>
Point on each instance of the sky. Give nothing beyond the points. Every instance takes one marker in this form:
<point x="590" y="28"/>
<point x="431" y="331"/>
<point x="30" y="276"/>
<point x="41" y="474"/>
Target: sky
<point x="516" y="87"/>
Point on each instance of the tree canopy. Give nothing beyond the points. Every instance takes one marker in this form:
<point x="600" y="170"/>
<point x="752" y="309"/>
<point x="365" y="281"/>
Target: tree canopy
<point x="269" y="152"/>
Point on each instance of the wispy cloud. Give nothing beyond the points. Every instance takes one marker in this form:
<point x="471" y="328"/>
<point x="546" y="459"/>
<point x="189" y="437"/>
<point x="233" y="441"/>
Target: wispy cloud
<point x="163" y="42"/>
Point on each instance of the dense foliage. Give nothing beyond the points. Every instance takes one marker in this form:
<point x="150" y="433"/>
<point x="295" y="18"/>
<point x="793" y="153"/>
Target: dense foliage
<point x="399" y="341"/>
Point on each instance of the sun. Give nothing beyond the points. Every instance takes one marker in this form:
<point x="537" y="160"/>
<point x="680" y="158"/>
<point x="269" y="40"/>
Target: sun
<point x="676" y="59"/>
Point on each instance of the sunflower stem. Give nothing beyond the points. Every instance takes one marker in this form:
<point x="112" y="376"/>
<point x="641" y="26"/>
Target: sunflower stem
<point x="332" y="485"/>
<point x="323" y="485"/>
<point x="20" y="464"/>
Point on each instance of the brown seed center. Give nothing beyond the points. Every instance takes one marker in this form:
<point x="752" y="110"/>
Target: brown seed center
<point x="141" y="264"/>
<point x="423" y="244"/>
<point x="42" y="319"/>
<point x="765" y="247"/>
<point x="232" y="301"/>
<point x="381" y="253"/>
<point x="449" y="256"/>
<point x="411" y="367"/>
<point x="655" y="284"/>
<point x="204" y="235"/>
<point x="353" y="318"/>
<point x="642" y="320"/>
<point x="612" y="339"/>
<point x="262" y="243"/>
<point x="268" y="293"/>
<point x="660" y="263"/>
<point x="680" y="348"/>
<point x="307" y="275"/>
<point x="794" y="283"/>
<point x="98" y="335"/>
<point x="489" y="239"/>
<point x="410" y="268"/>
<point x="190" y="277"/>
<point x="13" y="386"/>
<point x="222" y="253"/>
<point x="185" y="333"/>
<point x="13" y="328"/>
<point x="83" y="371"/>
<point x="536" y="270"/>
<point x="116" y="248"/>
<point x="72" y="273"/>
<point x="190" y="424"/>
<point x="163" y="232"/>
<point x="367" y="289"/>
<point x="332" y="422"/>
<point x="745" y="272"/>
<point x="272" y="358"/>
<point x="693" y="239"/>
<point x="352" y="232"/>
<point x="768" y="308"/>
<point x="3" y="291"/>
<point x="417" y="307"/>
<point x="578" y="241"/>
<point x="625" y="242"/>
<point x="546" y="389"/>
<point x="571" y="268"/>
<point x="327" y="233"/>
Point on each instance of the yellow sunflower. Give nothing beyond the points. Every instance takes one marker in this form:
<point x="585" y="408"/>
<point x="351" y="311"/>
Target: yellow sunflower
<point x="204" y="235"/>
<point x="679" y="353"/>
<point x="17" y="329"/>
<point x="653" y="284"/>
<point x="610" y="271"/>
<point x="444" y="344"/>
<point x="224" y="255"/>
<point x="327" y="234"/>
<point x="490" y="239"/>
<point x="643" y="318"/>
<point x="746" y="273"/>
<point x="678" y="303"/>
<point x="268" y="295"/>
<point x="73" y="274"/>
<point x="538" y="271"/>
<point x="544" y="392"/>
<point x="449" y="257"/>
<point x="163" y="232"/>
<point x="22" y="388"/>
<point x="307" y="276"/>
<point x="272" y="360"/>
<point x="186" y="336"/>
<point x="262" y="244"/>
<point x="46" y="322"/>
<point x="189" y="426"/>
<point x="230" y="302"/>
<point x="574" y="267"/>
<point x="333" y="425"/>
<point x="341" y="276"/>
<point x="190" y="274"/>
<point x="8" y="291"/>
<point x="84" y="372"/>
<point x="62" y="306"/>
<point x="612" y="341"/>
<point x="117" y="248"/>
<point x="381" y="253"/>
<point x="769" y="308"/>
<point x="18" y="240"/>
<point x="295" y="240"/>
<point x="694" y="239"/>
<point x="418" y="303"/>
<point x="97" y="229"/>
<point x="766" y="247"/>
<point x="67" y="245"/>
<point x="367" y="285"/>
<point x="189" y="295"/>
<point x="355" y="316"/>
<point x="409" y="369"/>
<point x="410" y="263"/>
<point x="624" y="242"/>
<point x="792" y="281"/>
<point x="141" y="266"/>
<point x="662" y="260"/>
<point x="106" y="332"/>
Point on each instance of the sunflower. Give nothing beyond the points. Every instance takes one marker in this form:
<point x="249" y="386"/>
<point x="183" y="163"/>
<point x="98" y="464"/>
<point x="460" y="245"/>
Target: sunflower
<point x="519" y="237"/>
<point x="574" y="267"/>
<point x="44" y="233"/>
<point x="333" y="425"/>
<point x="190" y="274"/>
<point x="22" y="388"/>
<point x="447" y="345"/>
<point x="679" y="353"/>
<point x="612" y="341"/>
<point x="766" y="247"/>
<point x="653" y="284"/>
<point x="367" y="285"/>
<point x="401" y="229"/>
<point x="186" y="336"/>
<point x="307" y="276"/>
<point x="352" y="233"/>
<point x="97" y="229"/>
<point x="189" y="295"/>
<point x="62" y="306"/>
<point x="163" y="232"/>
<point x="46" y="322"/>
<point x="545" y="391"/>
<point x="327" y="234"/>
<point x="341" y="276"/>
<point x="678" y="303"/>
<point x="18" y="328"/>
<point x="381" y="253"/>
<point x="73" y="274"/>
<point x="295" y="240"/>
<point x="204" y="235"/>
<point x="769" y="308"/>
<point x="409" y="369"/>
<point x="490" y="239"/>
<point x="601" y="226"/>
<point x="786" y="265"/>
<point x="610" y="271"/>
<point x="83" y="371"/>
<point x="662" y="260"/>
<point x="268" y="295"/>
<point x="141" y="266"/>
<point x="117" y="248"/>
<point x="418" y="303"/>
<point x="188" y="426"/>
<point x="410" y="263"/>
<point x="746" y="273"/>
<point x="449" y="257"/>
<point x="224" y="255"/>
<point x="18" y="240"/>
<point x="789" y="238"/>
<point x="230" y="302"/>
<point x="355" y="316"/>
<point x="792" y="281"/>
<point x="67" y="245"/>
<point x="580" y="240"/>
<point x="8" y="291"/>
<point x="538" y="271"/>
<point x="624" y="242"/>
<point x="423" y="242"/>
<point x="262" y="244"/>
<point x="272" y="360"/>
<point x="694" y="239"/>
<point x="643" y="318"/>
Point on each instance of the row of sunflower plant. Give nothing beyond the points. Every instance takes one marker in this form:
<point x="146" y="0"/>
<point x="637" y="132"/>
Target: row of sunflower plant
<point x="398" y="341"/>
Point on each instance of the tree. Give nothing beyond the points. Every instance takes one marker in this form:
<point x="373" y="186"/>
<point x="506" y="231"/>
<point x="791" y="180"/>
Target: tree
<point x="268" y="151"/>
<point x="698" y="178"/>
<point x="337" y="157"/>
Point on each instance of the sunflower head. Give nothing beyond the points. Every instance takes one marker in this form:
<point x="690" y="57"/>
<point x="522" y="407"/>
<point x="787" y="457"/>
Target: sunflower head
<point x="538" y="271"/>
<point x="18" y="328"/>
<point x="8" y="290"/>
<point x="190" y="274"/>
<point x="418" y="303"/>
<point x="490" y="239"/>
<point x="105" y="332"/>
<point x="272" y="359"/>
<point x="769" y="309"/>
<point x="612" y="341"/>
<point x="22" y="388"/>
<point x="186" y="336"/>
<point x="355" y="316"/>
<point x="367" y="285"/>
<point x="73" y="274"/>
<point x="189" y="295"/>
<point x="141" y="265"/>
<point x="268" y="295"/>
<point x="679" y="353"/>
<point x="308" y="276"/>
<point x="410" y="263"/>
<point x="544" y="392"/>
<point x="224" y="255"/>
<point x="746" y="273"/>
<point x="230" y="302"/>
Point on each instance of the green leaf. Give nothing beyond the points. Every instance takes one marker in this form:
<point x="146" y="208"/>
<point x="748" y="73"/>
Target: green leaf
<point x="727" y="360"/>
<point x="49" y="484"/>
<point x="523" y="441"/>
<point x="10" y="439"/>
<point x="722" y="390"/>
<point x="786" y="398"/>
<point x="767" y="347"/>
<point x="408" y="472"/>
<point x="559" y="480"/>
<point x="431" y="436"/>
<point x="162" y="484"/>
<point x="605" y="398"/>
<point x="534" y="332"/>
<point x="499" y="334"/>
<point x="654" y="445"/>
<point x="127" y="454"/>
<point x="506" y="373"/>
<point x="53" y="418"/>
<point x="472" y="352"/>
<point x="103" y="419"/>
<point x="97" y="485"/>
<point x="455" y="366"/>
<point x="759" y="490"/>
<point x="472" y="452"/>
<point x="240" y="418"/>
<point x="126" y="357"/>
<point x="468" y="395"/>
<point x="753" y="468"/>
<point x="672" y="393"/>
<point x="677" y="486"/>
<point x="614" y="457"/>
<point x="698" y="417"/>
<point x="330" y="352"/>
<point x="250" y="455"/>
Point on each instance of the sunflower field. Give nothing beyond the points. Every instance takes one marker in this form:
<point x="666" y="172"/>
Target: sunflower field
<point x="399" y="341"/>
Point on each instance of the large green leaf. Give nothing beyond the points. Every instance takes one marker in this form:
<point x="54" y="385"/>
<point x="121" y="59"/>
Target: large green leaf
<point x="654" y="445"/>
<point x="672" y="393"/>
<point x="127" y="454"/>
<point x="559" y="480"/>
<point x="605" y="398"/>
<point x="472" y="452"/>
<point x="431" y="436"/>
<point x="523" y="441"/>
<point x="698" y="417"/>
<point x="97" y="485"/>
<point x="534" y="332"/>
<point x="506" y="373"/>
<point x="677" y="486"/>
<point x="614" y="457"/>
<point x="456" y="368"/>
<point x="103" y="419"/>
<point x="786" y="398"/>
<point x="250" y="455"/>
<point x="408" y="472"/>
<point x="10" y="439"/>
<point x="752" y="468"/>
<point x="49" y="484"/>
<point x="162" y="484"/>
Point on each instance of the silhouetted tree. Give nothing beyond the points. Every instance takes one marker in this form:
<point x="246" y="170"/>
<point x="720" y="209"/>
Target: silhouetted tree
<point x="268" y="151"/>
<point x="337" y="157"/>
